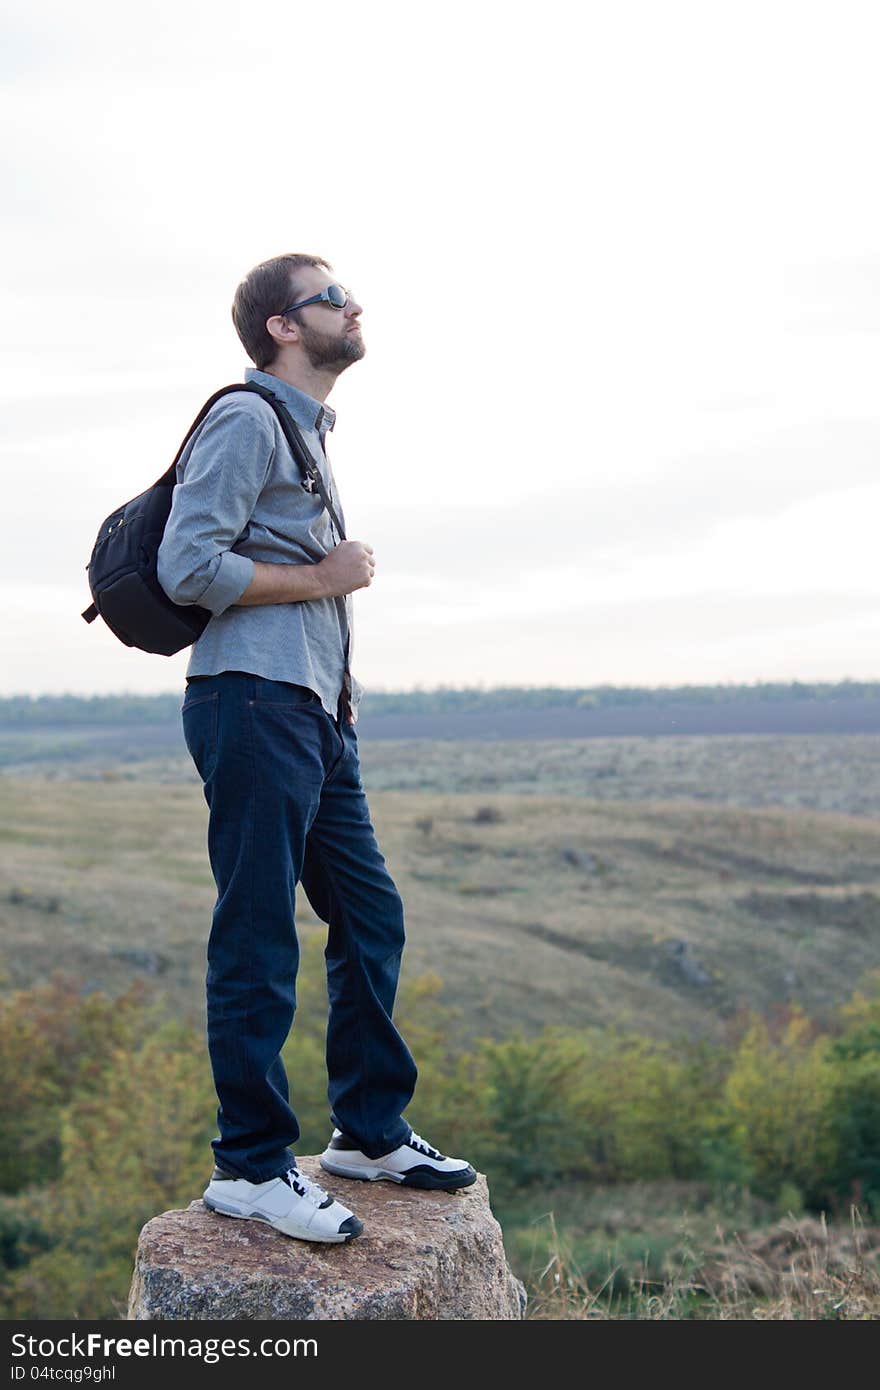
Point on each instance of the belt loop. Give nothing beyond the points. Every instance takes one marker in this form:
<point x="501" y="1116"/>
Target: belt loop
<point x="251" y="687"/>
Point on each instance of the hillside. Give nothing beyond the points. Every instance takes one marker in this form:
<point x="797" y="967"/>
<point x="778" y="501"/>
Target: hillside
<point x="657" y="884"/>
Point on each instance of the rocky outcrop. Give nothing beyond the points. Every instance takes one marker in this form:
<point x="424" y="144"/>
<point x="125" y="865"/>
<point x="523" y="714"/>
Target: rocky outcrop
<point x="423" y="1255"/>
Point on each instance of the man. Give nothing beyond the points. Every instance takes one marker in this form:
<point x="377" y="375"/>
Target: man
<point x="269" y="718"/>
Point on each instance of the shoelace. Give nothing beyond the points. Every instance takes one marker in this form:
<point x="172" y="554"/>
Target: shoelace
<point x="416" y="1141"/>
<point x="312" y="1191"/>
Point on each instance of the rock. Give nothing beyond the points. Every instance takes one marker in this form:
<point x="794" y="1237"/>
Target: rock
<point x="684" y="961"/>
<point x="150" y="961"/>
<point x="422" y="1256"/>
<point x="580" y="859"/>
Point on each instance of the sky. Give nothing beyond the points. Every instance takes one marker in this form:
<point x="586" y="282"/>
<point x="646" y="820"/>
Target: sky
<point x="618" y="421"/>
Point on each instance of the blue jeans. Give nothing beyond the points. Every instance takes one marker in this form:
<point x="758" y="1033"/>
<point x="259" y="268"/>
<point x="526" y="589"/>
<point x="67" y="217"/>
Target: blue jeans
<point x="287" y="805"/>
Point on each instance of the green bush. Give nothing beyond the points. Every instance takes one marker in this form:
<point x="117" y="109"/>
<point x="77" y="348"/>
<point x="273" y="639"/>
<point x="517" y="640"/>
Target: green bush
<point x="54" y="1043"/>
<point x="776" y="1105"/>
<point x="855" y="1109"/>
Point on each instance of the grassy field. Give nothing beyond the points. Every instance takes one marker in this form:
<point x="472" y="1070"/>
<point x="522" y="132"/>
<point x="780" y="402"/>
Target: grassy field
<point x="672" y="1251"/>
<point x="535" y="894"/>
<point x="662" y="885"/>
<point x="819" y="772"/>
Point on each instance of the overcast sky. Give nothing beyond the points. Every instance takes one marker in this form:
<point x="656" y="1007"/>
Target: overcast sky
<point x="620" y="266"/>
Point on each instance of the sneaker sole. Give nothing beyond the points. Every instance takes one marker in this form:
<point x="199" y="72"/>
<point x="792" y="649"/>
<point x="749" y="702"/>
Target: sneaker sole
<point x="299" y="1234"/>
<point x="428" y="1181"/>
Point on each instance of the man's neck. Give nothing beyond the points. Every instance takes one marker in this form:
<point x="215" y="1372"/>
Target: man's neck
<point x="316" y="384"/>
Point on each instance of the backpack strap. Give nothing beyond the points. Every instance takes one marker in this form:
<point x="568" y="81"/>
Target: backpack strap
<point x="309" y="471"/>
<point x="299" y="449"/>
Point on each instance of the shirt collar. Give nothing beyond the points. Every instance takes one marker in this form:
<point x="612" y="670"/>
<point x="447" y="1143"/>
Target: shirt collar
<point x="306" y="411"/>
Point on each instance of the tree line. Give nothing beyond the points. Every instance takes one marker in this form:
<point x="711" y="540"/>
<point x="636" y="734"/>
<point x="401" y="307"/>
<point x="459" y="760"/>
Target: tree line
<point x="18" y="711"/>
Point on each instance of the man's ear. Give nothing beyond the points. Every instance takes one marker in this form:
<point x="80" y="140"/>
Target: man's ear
<point x="282" y="331"/>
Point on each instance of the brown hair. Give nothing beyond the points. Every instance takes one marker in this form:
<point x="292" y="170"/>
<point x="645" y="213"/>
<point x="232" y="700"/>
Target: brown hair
<point x="264" y="291"/>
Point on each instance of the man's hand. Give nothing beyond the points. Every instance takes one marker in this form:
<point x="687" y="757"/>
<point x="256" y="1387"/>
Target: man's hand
<point x="349" y="566"/>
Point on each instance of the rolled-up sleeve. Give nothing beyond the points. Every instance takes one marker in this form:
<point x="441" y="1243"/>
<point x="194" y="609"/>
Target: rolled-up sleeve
<point x="212" y="503"/>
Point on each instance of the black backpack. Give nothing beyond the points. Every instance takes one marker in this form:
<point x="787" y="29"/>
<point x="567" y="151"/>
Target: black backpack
<point x="122" y="571"/>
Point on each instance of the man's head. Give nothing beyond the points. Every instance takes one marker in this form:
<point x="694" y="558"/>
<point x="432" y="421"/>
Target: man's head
<point x="326" y="338"/>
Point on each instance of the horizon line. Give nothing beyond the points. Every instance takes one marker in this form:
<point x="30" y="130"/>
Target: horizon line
<point x="484" y="689"/>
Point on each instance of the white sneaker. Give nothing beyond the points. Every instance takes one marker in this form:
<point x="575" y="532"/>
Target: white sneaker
<point x="292" y="1203"/>
<point x="415" y="1164"/>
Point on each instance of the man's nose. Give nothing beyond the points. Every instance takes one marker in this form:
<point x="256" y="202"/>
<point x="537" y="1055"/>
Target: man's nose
<point x="352" y="309"/>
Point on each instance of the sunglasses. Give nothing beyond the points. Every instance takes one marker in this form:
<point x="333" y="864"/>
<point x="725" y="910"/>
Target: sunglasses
<point x="334" y="295"/>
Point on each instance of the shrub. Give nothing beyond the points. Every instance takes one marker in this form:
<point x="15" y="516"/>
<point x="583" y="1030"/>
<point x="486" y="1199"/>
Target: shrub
<point x="777" y="1102"/>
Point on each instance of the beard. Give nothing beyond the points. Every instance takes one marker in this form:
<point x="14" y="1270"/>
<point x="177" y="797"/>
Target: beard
<point x="331" y="351"/>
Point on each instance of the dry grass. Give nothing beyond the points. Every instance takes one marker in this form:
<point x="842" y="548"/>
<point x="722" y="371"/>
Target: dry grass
<point x="818" y="772"/>
<point x="796" y="1270"/>
<point x="666" y="917"/>
<point x="837" y="773"/>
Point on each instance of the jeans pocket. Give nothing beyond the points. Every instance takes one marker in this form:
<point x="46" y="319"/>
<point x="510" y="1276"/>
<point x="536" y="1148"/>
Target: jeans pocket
<point x="200" y="716"/>
<point x="282" y="695"/>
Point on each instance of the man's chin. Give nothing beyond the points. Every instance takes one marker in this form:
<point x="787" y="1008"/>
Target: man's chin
<point x="354" y="349"/>
<point x="351" y="349"/>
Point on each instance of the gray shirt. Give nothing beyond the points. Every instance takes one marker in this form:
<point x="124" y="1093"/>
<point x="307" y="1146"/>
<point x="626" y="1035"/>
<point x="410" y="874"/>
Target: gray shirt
<point x="239" y="498"/>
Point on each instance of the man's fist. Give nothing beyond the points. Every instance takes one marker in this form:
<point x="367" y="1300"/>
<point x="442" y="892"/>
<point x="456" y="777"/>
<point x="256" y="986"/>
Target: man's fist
<point x="349" y="566"/>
